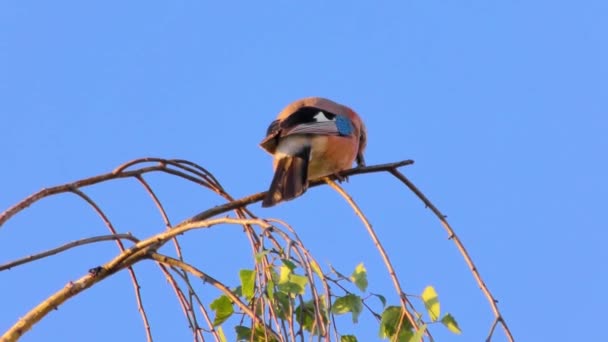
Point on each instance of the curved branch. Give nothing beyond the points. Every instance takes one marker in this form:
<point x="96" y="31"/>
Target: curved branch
<point x="198" y="175"/>
<point x="169" y="261"/>
<point x="204" y="178"/>
<point x="220" y="209"/>
<point x="187" y="303"/>
<point x="452" y="235"/>
<point x="10" y="212"/>
<point x="385" y="258"/>
<point x="134" y="281"/>
<point x="70" y="245"/>
<point x="73" y="288"/>
<point x="162" y="166"/>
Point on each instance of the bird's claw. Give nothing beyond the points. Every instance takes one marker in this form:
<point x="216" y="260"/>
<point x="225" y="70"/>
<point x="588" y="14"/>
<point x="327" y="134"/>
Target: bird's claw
<point x="340" y="178"/>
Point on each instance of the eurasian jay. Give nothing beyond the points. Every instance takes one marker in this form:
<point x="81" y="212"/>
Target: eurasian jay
<point x="311" y="138"/>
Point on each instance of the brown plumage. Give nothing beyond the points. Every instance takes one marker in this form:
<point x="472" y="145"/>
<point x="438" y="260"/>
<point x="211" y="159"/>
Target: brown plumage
<point x="311" y="138"/>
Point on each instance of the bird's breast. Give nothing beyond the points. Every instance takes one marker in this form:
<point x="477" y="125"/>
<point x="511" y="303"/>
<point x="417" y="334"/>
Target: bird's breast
<point x="331" y="154"/>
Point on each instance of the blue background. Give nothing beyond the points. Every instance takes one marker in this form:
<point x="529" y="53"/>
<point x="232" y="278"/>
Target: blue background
<point x="502" y="104"/>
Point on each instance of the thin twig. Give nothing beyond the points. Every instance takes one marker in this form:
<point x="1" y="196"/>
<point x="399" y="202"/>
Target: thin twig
<point x="10" y="212"/>
<point x="134" y="281"/>
<point x="187" y="304"/>
<point x="71" y="289"/>
<point x="65" y="247"/>
<point x="452" y="235"/>
<point x="167" y="260"/>
<point x="220" y="209"/>
<point x="304" y="259"/>
<point x="194" y="173"/>
<point x="385" y="258"/>
<point x="492" y="328"/>
<point x="161" y="167"/>
<point x="120" y="172"/>
<point x="182" y="297"/>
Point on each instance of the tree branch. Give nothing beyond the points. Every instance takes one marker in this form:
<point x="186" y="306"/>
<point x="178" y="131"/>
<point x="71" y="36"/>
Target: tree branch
<point x="220" y="209"/>
<point x="452" y="235"/>
<point x="81" y="242"/>
<point x="73" y="288"/>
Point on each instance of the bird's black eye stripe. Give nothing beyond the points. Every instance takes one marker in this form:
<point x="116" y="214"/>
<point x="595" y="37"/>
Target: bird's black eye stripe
<point x="305" y="115"/>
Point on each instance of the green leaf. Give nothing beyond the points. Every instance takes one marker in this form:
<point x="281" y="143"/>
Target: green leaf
<point x="306" y="317"/>
<point x="282" y="305"/>
<point x="449" y="321"/>
<point x="285" y="272"/>
<point x="243" y="333"/>
<point x="431" y="302"/>
<point x="220" y="333"/>
<point x="390" y="322"/>
<point x="349" y="303"/>
<point x="417" y="336"/>
<point x="348" y="338"/>
<point x="274" y="276"/>
<point x="291" y="283"/>
<point x="359" y="277"/>
<point x="405" y="336"/>
<point x="382" y="299"/>
<point x="289" y="264"/>
<point x="296" y="285"/>
<point x="315" y="268"/>
<point x="270" y="289"/>
<point x="300" y="281"/>
<point x="247" y="283"/>
<point x="223" y="309"/>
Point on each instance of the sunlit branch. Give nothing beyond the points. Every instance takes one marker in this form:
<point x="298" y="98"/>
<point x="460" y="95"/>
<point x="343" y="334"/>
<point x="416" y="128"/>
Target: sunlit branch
<point x="452" y="235"/>
<point x="66" y="247"/>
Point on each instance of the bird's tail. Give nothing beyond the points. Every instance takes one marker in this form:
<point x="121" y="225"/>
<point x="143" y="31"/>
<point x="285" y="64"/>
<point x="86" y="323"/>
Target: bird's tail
<point x="290" y="179"/>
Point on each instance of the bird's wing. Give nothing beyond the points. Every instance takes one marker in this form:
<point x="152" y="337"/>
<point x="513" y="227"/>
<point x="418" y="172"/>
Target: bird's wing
<point x="306" y="120"/>
<point x="315" y="121"/>
<point x="315" y="128"/>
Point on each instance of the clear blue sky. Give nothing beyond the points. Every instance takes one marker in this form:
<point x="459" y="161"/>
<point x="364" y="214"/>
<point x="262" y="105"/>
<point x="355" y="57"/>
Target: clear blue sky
<point x="503" y="105"/>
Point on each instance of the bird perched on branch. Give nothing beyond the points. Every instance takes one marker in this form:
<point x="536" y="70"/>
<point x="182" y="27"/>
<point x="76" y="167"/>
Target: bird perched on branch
<point x="311" y="138"/>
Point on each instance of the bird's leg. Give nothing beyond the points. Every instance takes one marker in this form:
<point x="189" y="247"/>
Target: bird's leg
<point x="360" y="160"/>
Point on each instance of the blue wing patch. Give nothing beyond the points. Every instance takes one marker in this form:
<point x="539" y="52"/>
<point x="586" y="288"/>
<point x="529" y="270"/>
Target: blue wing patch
<point x="345" y="127"/>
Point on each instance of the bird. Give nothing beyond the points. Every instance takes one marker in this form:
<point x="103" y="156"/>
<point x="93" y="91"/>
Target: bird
<point x="311" y="138"/>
